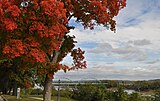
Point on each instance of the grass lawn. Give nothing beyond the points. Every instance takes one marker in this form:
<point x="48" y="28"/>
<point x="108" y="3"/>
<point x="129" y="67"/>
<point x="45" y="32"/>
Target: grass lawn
<point x="62" y="99"/>
<point x="34" y="98"/>
<point x="13" y="98"/>
<point x="53" y="97"/>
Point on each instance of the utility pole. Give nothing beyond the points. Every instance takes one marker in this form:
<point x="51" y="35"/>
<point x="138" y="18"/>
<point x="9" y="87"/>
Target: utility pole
<point x="58" y="99"/>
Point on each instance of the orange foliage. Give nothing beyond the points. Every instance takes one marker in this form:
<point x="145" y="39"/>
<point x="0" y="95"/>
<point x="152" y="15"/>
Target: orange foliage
<point x="27" y="84"/>
<point x="34" y="29"/>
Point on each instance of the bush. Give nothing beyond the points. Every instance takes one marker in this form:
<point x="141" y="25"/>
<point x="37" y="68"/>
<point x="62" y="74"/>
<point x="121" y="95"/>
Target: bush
<point x="135" y="97"/>
<point x="118" y="95"/>
<point x="26" y="91"/>
<point x="89" y="92"/>
<point x="66" y="92"/>
<point x="37" y="91"/>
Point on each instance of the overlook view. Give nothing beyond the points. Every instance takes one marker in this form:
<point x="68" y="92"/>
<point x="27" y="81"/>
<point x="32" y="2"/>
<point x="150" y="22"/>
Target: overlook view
<point x="79" y="50"/>
<point x="132" y="53"/>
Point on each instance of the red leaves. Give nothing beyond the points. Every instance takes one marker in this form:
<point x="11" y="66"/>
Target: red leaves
<point x="28" y="49"/>
<point x="97" y="12"/>
<point x="37" y="26"/>
<point x="8" y="15"/>
<point x="14" y="48"/>
<point x="1" y="11"/>
<point x="37" y="55"/>
<point x="54" y="9"/>
<point x="27" y="84"/>
<point x="78" y="59"/>
<point x="10" y="25"/>
<point x="68" y="5"/>
<point x="31" y="43"/>
<point x="49" y="7"/>
<point x="32" y="51"/>
<point x="35" y="30"/>
<point x="13" y="10"/>
<point x="40" y="28"/>
<point x="115" y="5"/>
<point x="50" y="76"/>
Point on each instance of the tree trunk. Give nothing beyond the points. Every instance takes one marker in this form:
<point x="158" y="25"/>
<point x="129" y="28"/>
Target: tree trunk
<point x="47" y="89"/>
<point x="4" y="91"/>
<point x="9" y="92"/>
<point x="14" y="89"/>
<point x="48" y="82"/>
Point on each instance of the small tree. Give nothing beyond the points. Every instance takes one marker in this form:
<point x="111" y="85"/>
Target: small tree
<point x="89" y="92"/>
<point x="135" y="97"/>
<point x="120" y="95"/>
<point x="35" y="32"/>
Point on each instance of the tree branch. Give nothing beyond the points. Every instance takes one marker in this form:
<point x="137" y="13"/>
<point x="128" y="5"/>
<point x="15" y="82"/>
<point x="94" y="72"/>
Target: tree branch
<point x="69" y="18"/>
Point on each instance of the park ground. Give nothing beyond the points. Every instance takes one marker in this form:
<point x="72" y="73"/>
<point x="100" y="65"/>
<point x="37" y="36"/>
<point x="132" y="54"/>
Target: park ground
<point x="32" y="98"/>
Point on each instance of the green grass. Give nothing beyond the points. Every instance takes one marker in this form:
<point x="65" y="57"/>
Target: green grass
<point x="62" y="99"/>
<point x="34" y="98"/>
<point x="13" y="98"/>
<point x="53" y="97"/>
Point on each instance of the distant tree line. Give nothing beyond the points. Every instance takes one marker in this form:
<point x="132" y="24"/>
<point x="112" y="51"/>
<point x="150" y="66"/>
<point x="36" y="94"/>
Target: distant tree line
<point x="134" y="85"/>
<point x="90" y="92"/>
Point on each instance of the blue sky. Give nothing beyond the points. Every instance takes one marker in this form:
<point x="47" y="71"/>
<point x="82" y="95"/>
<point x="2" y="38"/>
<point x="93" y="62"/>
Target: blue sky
<point x="132" y="53"/>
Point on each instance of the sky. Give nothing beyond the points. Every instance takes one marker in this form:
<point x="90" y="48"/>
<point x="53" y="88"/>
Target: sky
<point x="132" y="53"/>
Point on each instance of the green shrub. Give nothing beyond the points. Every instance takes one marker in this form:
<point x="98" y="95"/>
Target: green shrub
<point x="66" y="92"/>
<point x="89" y="92"/>
<point x="118" y="95"/>
<point x="26" y="91"/>
<point x="37" y="91"/>
<point x="135" y="97"/>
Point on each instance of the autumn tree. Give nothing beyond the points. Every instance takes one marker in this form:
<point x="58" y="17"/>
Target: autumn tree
<point x="35" y="32"/>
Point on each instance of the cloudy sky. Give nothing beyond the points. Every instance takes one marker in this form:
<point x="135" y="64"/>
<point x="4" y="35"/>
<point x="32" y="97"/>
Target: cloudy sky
<point x="132" y="53"/>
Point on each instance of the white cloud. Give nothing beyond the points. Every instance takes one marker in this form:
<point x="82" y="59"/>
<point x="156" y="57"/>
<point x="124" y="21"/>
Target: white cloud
<point x="125" y="52"/>
<point x="140" y="42"/>
<point x="153" y="61"/>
